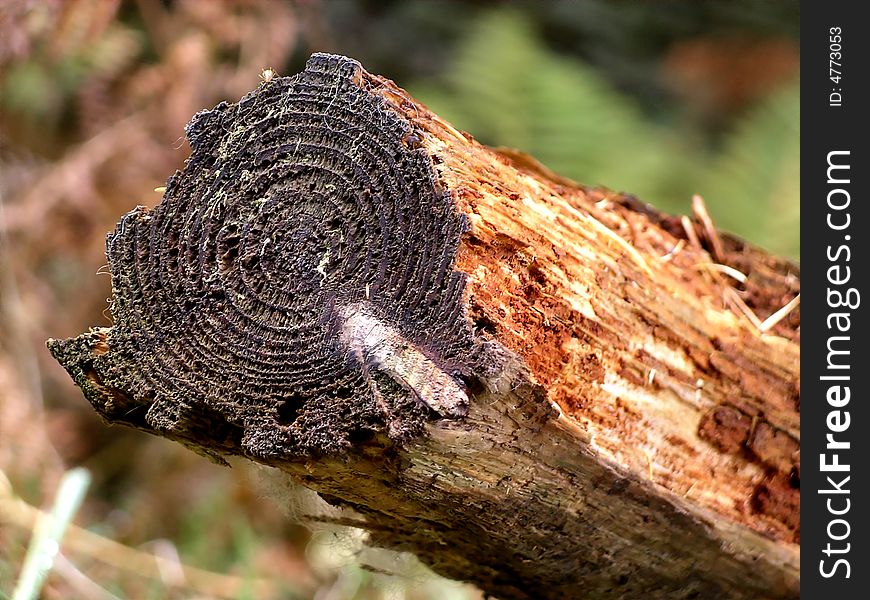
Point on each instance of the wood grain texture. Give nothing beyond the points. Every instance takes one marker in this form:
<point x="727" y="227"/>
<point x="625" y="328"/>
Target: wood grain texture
<point x="542" y="388"/>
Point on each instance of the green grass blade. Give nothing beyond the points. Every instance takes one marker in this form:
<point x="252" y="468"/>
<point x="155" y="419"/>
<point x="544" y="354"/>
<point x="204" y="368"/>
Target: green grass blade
<point x="48" y="533"/>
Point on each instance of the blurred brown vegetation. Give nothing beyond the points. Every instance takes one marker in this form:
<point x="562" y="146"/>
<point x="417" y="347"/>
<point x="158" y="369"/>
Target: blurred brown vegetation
<point x="94" y="96"/>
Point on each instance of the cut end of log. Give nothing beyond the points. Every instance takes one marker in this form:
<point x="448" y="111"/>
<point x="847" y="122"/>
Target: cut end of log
<point x="531" y="384"/>
<point x="240" y="294"/>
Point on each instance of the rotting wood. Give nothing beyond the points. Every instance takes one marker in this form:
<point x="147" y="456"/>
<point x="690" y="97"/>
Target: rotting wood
<point x="535" y="386"/>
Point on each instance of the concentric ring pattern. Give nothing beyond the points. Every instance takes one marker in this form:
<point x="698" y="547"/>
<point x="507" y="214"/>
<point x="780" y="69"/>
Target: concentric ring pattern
<point x="297" y="204"/>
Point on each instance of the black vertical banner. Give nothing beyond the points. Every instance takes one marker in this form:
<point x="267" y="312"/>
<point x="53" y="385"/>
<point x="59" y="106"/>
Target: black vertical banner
<point x="835" y="259"/>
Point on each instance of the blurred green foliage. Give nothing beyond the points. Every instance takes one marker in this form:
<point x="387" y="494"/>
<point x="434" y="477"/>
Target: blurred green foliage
<point x="508" y="89"/>
<point x="753" y="183"/>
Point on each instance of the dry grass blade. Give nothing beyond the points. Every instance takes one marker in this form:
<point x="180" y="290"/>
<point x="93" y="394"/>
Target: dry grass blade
<point x="84" y="585"/>
<point x="48" y="531"/>
<point x="628" y="248"/>
<point x="730" y="271"/>
<point x="700" y="210"/>
<point x="14" y="511"/>
<point x="733" y="299"/>
<point x="771" y="321"/>
<point x="691" y="234"/>
<point x="673" y="251"/>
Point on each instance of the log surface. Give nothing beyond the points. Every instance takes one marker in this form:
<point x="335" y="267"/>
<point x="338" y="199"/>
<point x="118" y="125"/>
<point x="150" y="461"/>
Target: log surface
<point x="545" y="389"/>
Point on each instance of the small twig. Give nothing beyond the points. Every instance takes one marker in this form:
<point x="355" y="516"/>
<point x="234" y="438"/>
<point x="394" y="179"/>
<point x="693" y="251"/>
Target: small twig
<point x="450" y="128"/>
<point x="688" y="491"/>
<point x="649" y="464"/>
<point x="546" y="321"/>
<point x="730" y="271"/>
<point x="630" y="250"/>
<point x="737" y="302"/>
<point x="673" y="251"/>
<point x="700" y="210"/>
<point x="771" y="321"/>
<point x="750" y="439"/>
<point x="691" y="233"/>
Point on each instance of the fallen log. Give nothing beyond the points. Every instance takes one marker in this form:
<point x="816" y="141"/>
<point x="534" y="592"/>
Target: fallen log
<point x="546" y="389"/>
